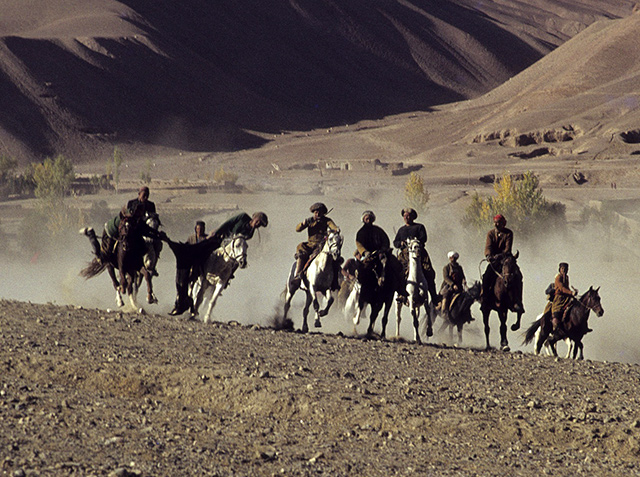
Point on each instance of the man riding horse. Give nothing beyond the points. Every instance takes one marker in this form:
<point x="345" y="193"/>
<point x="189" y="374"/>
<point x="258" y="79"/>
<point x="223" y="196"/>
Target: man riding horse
<point x="317" y="228"/>
<point x="409" y="230"/>
<point x="497" y="247"/>
<point x="562" y="300"/>
<point x="188" y="255"/>
<point x="453" y="281"/>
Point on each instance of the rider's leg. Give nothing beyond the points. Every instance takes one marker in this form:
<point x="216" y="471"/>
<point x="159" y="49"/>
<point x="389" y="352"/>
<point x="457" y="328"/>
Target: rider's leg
<point x="430" y="275"/>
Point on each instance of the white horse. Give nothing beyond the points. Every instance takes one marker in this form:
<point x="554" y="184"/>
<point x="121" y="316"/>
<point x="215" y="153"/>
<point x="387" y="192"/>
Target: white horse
<point x="316" y="281"/>
<point x="417" y="290"/>
<point x="217" y="273"/>
<point x="150" y="259"/>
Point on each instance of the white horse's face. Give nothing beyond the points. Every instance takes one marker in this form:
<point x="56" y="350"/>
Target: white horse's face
<point x="237" y="250"/>
<point x="413" y="246"/>
<point x="334" y="244"/>
<point x="152" y="220"/>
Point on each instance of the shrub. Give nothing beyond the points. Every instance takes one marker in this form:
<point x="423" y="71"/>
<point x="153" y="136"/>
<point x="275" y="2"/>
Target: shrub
<point x="521" y="202"/>
<point x="416" y="195"/>
<point x="225" y="177"/>
<point x="53" y="178"/>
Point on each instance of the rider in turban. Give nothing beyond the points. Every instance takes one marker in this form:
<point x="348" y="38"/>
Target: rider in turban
<point x="453" y="280"/>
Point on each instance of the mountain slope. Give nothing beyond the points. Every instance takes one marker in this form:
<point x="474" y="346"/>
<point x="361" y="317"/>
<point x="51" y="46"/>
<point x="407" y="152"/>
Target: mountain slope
<point x="78" y="77"/>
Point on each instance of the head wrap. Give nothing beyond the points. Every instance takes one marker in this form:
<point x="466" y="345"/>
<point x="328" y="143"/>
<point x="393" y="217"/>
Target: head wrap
<point x="413" y="215"/>
<point x="370" y="213"/>
<point x="320" y="207"/>
<point x="262" y="218"/>
<point x="453" y="254"/>
<point x="500" y="219"/>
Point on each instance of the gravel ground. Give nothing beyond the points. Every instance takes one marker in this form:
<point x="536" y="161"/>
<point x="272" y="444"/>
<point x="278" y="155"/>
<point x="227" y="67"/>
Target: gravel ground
<point x="91" y="392"/>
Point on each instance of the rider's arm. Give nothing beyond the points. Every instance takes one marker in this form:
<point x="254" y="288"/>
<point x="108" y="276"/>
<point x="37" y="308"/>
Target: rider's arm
<point x="488" y="246"/>
<point x="303" y="225"/>
<point x="446" y="275"/>
<point x="332" y="226"/>
<point x="560" y="288"/>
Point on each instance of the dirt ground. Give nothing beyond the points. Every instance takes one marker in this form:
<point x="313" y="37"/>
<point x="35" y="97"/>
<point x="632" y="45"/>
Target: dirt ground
<point x="94" y="392"/>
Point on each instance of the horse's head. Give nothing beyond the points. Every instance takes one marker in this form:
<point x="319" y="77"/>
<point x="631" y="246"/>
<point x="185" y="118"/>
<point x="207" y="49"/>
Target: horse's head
<point x="236" y="249"/>
<point x="591" y="299"/>
<point x="333" y="245"/>
<point x="510" y="272"/>
<point x="475" y="289"/>
<point x="126" y="231"/>
<point x="152" y="219"/>
<point x="413" y="247"/>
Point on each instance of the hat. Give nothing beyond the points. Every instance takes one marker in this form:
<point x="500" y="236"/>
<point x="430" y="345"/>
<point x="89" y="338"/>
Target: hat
<point x="143" y="189"/>
<point x="320" y="207"/>
<point x="262" y="217"/>
<point x="500" y="219"/>
<point x="200" y="223"/>
<point x="370" y="213"/>
<point x="563" y="264"/>
<point x="453" y="254"/>
<point x="412" y="213"/>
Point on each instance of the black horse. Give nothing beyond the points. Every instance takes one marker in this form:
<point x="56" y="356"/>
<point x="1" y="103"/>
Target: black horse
<point x="575" y="324"/>
<point x="128" y="258"/>
<point x="460" y="310"/>
<point x="377" y="282"/>
<point x="504" y="296"/>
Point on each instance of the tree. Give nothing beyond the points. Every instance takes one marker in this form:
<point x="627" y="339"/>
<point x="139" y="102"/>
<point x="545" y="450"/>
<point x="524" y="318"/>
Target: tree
<point x="416" y="195"/>
<point x="117" y="162"/>
<point x="521" y="201"/>
<point x="53" y="178"/>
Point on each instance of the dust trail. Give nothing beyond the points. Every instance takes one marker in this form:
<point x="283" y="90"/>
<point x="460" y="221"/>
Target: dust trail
<point x="254" y="295"/>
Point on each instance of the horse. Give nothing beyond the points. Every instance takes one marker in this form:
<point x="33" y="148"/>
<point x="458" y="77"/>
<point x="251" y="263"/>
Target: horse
<point x="377" y="283"/>
<point x="217" y="272"/>
<point x="128" y="259"/>
<point x="460" y="310"/>
<point x="550" y="349"/>
<point x="316" y="280"/>
<point x="505" y="296"/>
<point x="417" y="291"/>
<point x="575" y="325"/>
<point x="150" y="259"/>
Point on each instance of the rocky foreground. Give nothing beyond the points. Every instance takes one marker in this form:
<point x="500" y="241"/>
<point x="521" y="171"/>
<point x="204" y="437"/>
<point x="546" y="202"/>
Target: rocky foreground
<point x="90" y="392"/>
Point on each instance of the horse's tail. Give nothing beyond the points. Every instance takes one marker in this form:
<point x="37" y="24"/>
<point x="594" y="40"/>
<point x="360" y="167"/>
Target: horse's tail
<point x="531" y="331"/>
<point x="95" y="267"/>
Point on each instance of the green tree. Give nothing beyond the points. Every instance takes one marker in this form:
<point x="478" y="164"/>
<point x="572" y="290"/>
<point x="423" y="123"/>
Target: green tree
<point x="521" y="201"/>
<point x="53" y="178"/>
<point x="225" y="177"/>
<point x="117" y="162"/>
<point x="416" y="194"/>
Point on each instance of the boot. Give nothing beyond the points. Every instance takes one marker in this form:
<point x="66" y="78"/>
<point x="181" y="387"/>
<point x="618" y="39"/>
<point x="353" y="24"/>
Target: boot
<point x="299" y="266"/>
<point x="444" y="306"/>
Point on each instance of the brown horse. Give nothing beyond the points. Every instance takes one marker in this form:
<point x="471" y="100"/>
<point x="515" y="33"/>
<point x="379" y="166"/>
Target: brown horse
<point x="575" y="325"/>
<point x="504" y="296"/>
<point x="460" y="311"/>
<point x="128" y="259"/>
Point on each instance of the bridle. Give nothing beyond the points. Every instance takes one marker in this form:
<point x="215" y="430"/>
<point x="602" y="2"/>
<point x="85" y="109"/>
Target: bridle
<point x="234" y="257"/>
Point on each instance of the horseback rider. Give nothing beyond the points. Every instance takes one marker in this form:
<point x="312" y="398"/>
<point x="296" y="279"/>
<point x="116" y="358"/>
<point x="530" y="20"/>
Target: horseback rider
<point x="497" y="247"/>
<point x="415" y="230"/>
<point x="453" y="281"/>
<point x="317" y="229"/>
<point x="187" y="255"/>
<point x="562" y="299"/>
<point x="199" y="233"/>
<point x="142" y="201"/>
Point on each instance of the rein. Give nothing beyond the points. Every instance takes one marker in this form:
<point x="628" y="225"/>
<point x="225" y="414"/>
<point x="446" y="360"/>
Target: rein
<point x="227" y="254"/>
<point x="590" y="308"/>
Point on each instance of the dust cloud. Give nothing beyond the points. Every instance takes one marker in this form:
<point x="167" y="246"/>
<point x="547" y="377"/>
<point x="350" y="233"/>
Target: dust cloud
<point x="255" y="294"/>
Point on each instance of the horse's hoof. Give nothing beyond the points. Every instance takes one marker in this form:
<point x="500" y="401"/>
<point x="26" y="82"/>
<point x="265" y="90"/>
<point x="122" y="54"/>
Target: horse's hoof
<point x="418" y="341"/>
<point x="317" y="324"/>
<point x="429" y="331"/>
<point x="151" y="300"/>
<point x="305" y="329"/>
<point x="515" y="327"/>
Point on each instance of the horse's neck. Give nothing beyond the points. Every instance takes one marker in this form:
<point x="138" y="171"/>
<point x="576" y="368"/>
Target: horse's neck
<point x="415" y="270"/>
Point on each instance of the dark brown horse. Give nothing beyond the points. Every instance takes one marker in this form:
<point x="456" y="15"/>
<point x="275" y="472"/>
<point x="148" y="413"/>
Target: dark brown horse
<point x="575" y="325"/>
<point x="127" y="258"/>
<point x="460" y="310"/>
<point x="504" y="296"/>
<point x="377" y="282"/>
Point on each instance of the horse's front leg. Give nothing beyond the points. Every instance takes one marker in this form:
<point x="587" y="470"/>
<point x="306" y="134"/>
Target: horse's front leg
<point x="487" y="330"/>
<point x="375" y="309"/>
<point x="399" y="306"/>
<point x="504" y="343"/>
<point x="151" y="298"/>
<point x="427" y="311"/>
<point x="116" y="285"/>
<point x="212" y="302"/>
<point x="516" y="325"/>
<point x="305" y="311"/>
<point x="132" y="291"/>
<point x="329" y="298"/>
